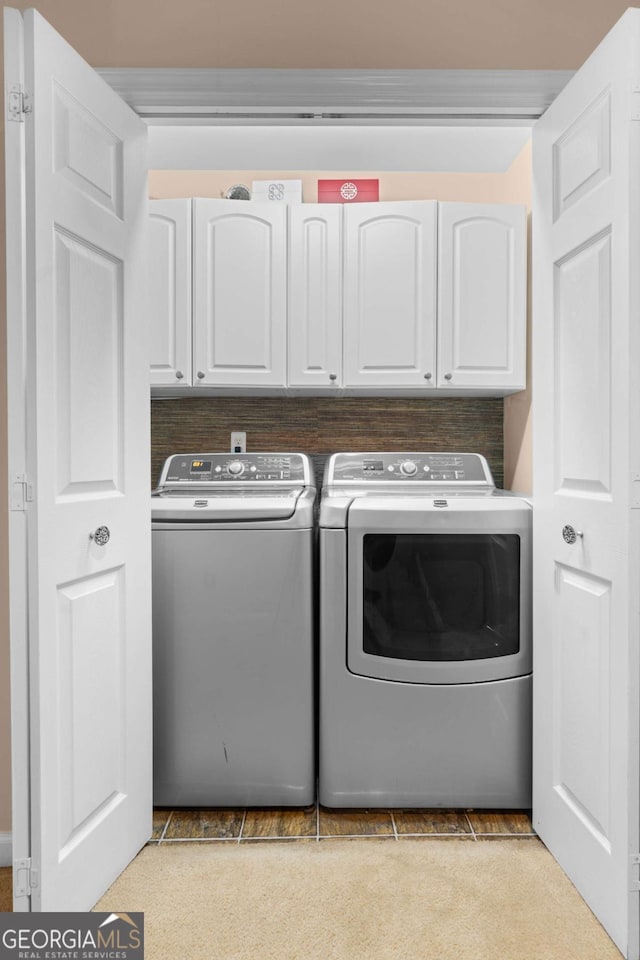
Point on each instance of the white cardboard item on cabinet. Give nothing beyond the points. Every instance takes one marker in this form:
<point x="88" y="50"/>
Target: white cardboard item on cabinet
<point x="280" y="191"/>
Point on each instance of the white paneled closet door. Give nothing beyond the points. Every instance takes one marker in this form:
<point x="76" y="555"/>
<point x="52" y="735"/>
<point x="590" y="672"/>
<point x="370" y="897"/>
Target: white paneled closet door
<point x="85" y="808"/>
<point x="586" y="356"/>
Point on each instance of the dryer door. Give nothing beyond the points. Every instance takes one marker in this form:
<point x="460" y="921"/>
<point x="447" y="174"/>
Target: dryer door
<point x="439" y="590"/>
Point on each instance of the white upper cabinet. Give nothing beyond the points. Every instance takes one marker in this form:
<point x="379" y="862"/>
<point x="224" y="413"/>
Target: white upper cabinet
<point x="169" y="267"/>
<point x="399" y="298"/>
<point x="239" y="293"/>
<point x="390" y="294"/>
<point x="315" y="295"/>
<point x="481" y="296"/>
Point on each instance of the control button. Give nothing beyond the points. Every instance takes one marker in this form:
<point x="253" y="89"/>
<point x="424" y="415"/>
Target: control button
<point x="408" y="468"/>
<point x="253" y="468"/>
<point x="218" y="469"/>
<point x="235" y="468"/>
<point x="390" y="469"/>
<point x="426" y="468"/>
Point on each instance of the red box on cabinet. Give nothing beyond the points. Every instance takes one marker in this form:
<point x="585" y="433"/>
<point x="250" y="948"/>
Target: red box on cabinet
<point x="348" y="191"/>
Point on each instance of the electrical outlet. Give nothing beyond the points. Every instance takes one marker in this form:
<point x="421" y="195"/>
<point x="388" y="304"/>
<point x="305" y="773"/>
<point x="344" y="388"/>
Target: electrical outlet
<point x="238" y="442"/>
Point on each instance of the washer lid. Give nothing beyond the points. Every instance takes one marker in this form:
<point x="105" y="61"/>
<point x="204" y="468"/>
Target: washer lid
<point x="224" y="505"/>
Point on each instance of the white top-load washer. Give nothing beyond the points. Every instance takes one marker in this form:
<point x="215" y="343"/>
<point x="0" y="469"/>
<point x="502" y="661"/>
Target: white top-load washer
<point x="232" y="568"/>
<point x="425" y="634"/>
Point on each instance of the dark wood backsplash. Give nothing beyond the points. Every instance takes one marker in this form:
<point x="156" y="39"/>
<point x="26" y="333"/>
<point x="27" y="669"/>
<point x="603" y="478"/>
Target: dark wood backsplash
<point x="320" y="426"/>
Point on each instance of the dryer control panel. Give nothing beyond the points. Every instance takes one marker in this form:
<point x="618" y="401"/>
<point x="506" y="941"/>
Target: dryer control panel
<point x="217" y="468"/>
<point x="424" y="468"/>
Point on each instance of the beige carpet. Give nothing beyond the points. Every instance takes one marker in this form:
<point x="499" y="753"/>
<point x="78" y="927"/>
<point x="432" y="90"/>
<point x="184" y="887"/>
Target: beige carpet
<point x="358" y="900"/>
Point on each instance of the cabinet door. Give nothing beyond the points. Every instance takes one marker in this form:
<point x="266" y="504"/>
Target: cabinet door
<point x="482" y="295"/>
<point x="239" y="293"/>
<point x="390" y="294"/>
<point x="170" y="291"/>
<point x="315" y="295"/>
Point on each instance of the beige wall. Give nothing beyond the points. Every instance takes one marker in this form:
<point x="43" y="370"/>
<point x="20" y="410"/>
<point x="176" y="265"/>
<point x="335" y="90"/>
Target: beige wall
<point x="518" y="467"/>
<point x="466" y="187"/>
<point x="388" y="34"/>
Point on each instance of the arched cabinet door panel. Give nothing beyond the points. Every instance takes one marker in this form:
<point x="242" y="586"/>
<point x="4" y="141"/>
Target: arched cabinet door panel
<point x="481" y="295"/>
<point x="239" y="293"/>
<point x="390" y="294"/>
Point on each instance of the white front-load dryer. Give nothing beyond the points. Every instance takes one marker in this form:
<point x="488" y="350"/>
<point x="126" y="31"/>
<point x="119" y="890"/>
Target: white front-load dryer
<point x="425" y="634"/>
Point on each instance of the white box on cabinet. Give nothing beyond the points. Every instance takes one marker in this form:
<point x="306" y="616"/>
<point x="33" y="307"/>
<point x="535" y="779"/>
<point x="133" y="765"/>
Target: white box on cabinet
<point x="277" y="191"/>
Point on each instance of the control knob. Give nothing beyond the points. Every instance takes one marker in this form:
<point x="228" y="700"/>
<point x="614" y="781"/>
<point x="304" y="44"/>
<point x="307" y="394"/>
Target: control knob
<point x="408" y="468"/>
<point x="235" y="468"/>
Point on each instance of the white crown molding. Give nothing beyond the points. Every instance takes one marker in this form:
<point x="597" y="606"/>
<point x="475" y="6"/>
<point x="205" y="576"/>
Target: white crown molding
<point x="330" y="96"/>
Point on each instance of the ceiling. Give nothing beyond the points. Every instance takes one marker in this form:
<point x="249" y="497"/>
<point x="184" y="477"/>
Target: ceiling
<point x="406" y="148"/>
<point x="426" y="121"/>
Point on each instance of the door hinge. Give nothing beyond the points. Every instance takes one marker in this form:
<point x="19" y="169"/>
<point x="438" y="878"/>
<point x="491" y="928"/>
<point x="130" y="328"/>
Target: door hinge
<point x="21" y="492"/>
<point x="25" y="877"/>
<point x="634" y="873"/>
<point x="18" y="103"/>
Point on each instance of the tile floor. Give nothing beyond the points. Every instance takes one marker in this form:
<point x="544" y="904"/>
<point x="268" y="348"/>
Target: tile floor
<point x="320" y="823"/>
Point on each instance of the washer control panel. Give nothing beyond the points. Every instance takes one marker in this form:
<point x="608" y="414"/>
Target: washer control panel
<point x="219" y="468"/>
<point x="445" y="468"/>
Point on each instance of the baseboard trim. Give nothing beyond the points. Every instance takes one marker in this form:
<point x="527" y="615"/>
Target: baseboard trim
<point x="5" y="850"/>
